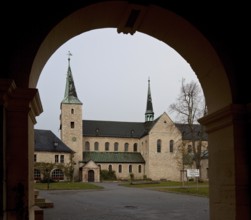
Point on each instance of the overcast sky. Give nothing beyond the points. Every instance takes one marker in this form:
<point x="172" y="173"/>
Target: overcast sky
<point x="111" y="72"/>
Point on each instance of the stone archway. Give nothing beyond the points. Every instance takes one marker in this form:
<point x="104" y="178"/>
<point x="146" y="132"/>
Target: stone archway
<point x="90" y="172"/>
<point x="169" y="28"/>
<point x="226" y="123"/>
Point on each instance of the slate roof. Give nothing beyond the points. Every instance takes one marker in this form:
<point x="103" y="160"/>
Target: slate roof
<point x="113" y="157"/>
<point x="45" y="141"/>
<point x="92" y="128"/>
<point x="186" y="134"/>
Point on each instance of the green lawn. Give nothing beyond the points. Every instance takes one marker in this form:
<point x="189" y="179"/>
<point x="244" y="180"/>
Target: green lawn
<point x="66" y="186"/>
<point x="189" y="188"/>
<point x="144" y="184"/>
<point x="200" y="191"/>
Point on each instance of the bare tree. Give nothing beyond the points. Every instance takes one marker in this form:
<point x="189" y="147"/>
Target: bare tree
<point x="191" y="106"/>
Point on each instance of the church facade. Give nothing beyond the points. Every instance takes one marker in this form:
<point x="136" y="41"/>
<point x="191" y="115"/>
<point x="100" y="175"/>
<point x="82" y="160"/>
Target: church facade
<point x="143" y="149"/>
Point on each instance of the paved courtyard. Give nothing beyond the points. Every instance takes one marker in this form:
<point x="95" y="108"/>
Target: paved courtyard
<point x="116" y="202"/>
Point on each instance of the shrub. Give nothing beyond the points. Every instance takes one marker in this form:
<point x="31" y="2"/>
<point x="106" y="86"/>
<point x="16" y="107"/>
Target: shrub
<point x="45" y="180"/>
<point x="107" y="175"/>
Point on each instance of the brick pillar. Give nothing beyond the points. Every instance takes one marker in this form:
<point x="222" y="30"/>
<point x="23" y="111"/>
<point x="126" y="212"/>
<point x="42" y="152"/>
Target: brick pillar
<point x="20" y="106"/>
<point x="228" y="163"/>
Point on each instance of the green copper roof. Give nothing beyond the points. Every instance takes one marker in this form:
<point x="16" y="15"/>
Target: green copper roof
<point x="70" y="95"/>
<point x="113" y="157"/>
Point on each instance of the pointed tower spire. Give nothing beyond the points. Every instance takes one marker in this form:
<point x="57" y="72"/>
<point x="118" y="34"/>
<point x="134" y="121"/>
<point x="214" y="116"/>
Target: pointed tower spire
<point x="70" y="95"/>
<point x="149" y="115"/>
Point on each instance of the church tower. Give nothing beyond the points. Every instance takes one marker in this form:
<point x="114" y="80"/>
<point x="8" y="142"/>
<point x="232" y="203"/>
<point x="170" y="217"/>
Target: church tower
<point x="71" y="119"/>
<point x="149" y="115"/>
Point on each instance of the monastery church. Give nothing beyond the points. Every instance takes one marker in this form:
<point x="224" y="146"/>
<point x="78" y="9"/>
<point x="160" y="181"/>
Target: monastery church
<point x="146" y="149"/>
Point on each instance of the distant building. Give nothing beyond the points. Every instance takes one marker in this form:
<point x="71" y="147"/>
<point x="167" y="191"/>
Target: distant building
<point x="50" y="149"/>
<point x="146" y="149"/>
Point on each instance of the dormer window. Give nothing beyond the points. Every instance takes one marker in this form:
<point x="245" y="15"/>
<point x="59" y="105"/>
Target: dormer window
<point x="97" y="131"/>
<point x="132" y="132"/>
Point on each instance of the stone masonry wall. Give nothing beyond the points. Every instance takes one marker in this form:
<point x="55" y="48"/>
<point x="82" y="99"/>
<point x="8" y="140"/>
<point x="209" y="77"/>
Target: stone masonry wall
<point x="71" y="131"/>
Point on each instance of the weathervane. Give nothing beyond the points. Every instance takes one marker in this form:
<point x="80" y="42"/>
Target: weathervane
<point x="69" y="54"/>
